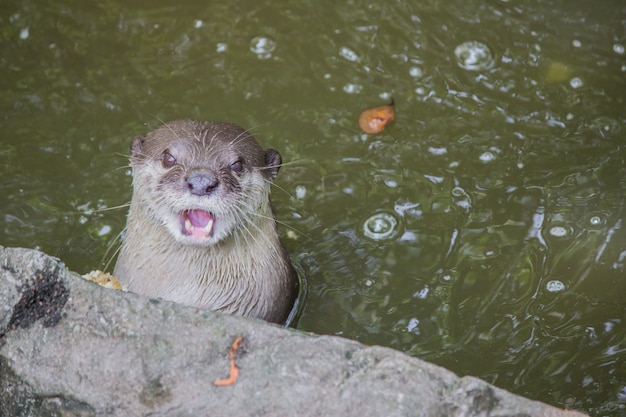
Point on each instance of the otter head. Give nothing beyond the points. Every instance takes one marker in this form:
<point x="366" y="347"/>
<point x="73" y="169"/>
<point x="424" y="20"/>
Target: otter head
<point x="203" y="181"/>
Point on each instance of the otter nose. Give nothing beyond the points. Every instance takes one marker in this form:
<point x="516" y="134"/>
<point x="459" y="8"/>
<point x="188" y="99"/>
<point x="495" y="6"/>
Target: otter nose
<point x="201" y="183"/>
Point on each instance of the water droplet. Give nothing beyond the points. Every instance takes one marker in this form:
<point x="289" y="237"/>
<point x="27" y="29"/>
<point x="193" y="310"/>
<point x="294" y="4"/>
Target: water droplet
<point x="300" y="192"/>
<point x="618" y="48"/>
<point x="351" y="88"/>
<point x="391" y="183"/>
<point x="487" y="157"/>
<point x="576" y="43"/>
<point x="559" y="231"/>
<point x="104" y="230"/>
<point x="437" y="151"/>
<point x="221" y="47"/>
<point x="458" y="192"/>
<point x="413" y="325"/>
<point x="596" y="220"/>
<point x="576" y="82"/>
<point x="408" y="208"/>
<point x="262" y="46"/>
<point x="380" y="226"/>
<point x="416" y="72"/>
<point x="474" y="56"/>
<point x="446" y="277"/>
<point x="434" y="179"/>
<point x="421" y="294"/>
<point x="555" y="286"/>
<point x="24" y="33"/>
<point x="198" y="23"/>
<point x="348" y="54"/>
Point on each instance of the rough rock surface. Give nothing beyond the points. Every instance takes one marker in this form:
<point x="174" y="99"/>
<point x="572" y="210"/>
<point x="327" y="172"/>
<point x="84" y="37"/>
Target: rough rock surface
<point x="69" y="347"/>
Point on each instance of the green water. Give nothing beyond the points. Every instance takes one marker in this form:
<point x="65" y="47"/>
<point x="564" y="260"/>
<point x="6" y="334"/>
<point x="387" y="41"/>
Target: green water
<point x="505" y="177"/>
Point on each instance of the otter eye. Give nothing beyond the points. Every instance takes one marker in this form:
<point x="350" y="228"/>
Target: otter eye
<point x="237" y="167"/>
<point x="168" y="160"/>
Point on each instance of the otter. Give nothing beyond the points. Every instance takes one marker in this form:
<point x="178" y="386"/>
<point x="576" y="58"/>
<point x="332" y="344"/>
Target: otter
<point x="200" y="229"/>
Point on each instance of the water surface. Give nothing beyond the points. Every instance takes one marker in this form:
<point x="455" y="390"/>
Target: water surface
<point x="483" y="230"/>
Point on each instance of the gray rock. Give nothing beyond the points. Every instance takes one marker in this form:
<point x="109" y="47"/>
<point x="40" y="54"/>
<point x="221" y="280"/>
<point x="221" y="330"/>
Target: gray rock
<point x="69" y="347"/>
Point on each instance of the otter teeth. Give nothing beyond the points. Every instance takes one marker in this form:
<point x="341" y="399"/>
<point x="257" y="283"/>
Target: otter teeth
<point x="198" y="223"/>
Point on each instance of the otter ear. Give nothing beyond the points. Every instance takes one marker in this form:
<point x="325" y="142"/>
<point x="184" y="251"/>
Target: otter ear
<point x="136" y="146"/>
<point x="273" y="161"/>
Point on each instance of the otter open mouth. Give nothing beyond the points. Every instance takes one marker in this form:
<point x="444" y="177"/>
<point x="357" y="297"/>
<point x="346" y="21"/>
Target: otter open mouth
<point x="197" y="223"/>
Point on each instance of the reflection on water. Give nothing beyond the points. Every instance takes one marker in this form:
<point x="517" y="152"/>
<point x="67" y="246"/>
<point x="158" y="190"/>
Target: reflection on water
<point x="380" y="226"/>
<point x="474" y="56"/>
<point x="483" y="230"/>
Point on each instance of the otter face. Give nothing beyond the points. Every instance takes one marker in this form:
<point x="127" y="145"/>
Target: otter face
<point x="203" y="181"/>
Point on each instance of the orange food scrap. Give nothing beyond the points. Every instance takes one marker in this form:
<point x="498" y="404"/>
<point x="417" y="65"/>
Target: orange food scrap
<point x="375" y="119"/>
<point x="234" y="371"/>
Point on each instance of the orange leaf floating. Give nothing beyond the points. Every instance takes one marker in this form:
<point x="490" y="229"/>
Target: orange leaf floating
<point x="374" y="120"/>
<point x="234" y="371"/>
